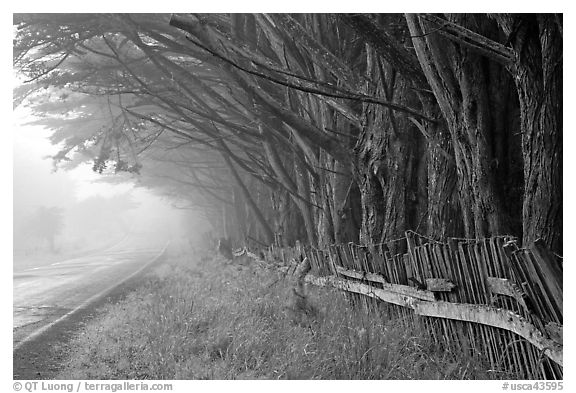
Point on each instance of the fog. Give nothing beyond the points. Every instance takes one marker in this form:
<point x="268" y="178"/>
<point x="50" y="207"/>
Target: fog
<point x="63" y="213"/>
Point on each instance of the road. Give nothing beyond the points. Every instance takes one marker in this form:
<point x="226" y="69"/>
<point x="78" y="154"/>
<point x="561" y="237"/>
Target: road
<point x="47" y="294"/>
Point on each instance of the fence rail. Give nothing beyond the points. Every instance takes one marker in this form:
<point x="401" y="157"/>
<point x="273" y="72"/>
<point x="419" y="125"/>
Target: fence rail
<point x="487" y="295"/>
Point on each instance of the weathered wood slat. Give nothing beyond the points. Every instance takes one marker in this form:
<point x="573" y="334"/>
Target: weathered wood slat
<point x="549" y="273"/>
<point x="396" y="288"/>
<point x="439" y="285"/>
<point x="492" y="316"/>
<point x="480" y="314"/>
<point x="529" y="280"/>
<point x="551" y="269"/>
<point x="361" y="275"/>
<point x="555" y="332"/>
<point x="363" y="289"/>
<point x="503" y="286"/>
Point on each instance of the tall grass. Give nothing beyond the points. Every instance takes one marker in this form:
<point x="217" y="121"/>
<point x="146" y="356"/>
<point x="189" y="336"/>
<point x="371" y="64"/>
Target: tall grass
<point x="215" y="320"/>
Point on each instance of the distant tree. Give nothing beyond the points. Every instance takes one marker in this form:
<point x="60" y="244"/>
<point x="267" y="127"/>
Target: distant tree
<point x="44" y="225"/>
<point x="99" y="215"/>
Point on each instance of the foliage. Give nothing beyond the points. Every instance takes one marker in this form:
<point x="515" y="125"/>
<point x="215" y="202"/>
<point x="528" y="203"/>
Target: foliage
<point x="329" y="128"/>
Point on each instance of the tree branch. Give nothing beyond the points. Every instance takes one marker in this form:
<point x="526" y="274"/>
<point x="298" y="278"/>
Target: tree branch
<point x="472" y="40"/>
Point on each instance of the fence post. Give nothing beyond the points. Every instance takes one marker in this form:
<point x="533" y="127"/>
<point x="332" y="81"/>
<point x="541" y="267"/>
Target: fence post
<point x="550" y="271"/>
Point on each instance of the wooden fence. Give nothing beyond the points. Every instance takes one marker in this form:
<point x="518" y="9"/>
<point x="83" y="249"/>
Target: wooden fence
<point x="483" y="296"/>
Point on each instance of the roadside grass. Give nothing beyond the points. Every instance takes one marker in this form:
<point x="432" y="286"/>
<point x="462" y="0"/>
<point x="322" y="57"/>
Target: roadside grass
<point x="216" y="320"/>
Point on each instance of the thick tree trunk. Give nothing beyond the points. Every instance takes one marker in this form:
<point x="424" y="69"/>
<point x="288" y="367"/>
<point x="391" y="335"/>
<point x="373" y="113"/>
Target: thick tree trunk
<point x="537" y="70"/>
<point x="458" y="80"/>
<point x="432" y="201"/>
<point x="384" y="155"/>
<point x="443" y="212"/>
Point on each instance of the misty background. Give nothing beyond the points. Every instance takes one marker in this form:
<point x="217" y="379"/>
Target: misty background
<point x="60" y="213"/>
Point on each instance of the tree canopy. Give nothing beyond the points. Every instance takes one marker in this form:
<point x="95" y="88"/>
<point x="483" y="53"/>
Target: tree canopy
<point x="322" y="128"/>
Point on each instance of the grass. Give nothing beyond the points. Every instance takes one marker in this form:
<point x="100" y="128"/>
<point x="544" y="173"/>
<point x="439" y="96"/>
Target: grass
<point x="215" y="320"/>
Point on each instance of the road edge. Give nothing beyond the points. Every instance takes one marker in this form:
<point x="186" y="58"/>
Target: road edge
<point x="32" y="336"/>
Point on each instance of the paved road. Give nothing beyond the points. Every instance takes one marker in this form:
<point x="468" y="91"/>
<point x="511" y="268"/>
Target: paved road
<point x="49" y="293"/>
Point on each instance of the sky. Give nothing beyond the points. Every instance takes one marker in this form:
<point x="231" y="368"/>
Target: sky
<point x="35" y="183"/>
<point x="31" y="151"/>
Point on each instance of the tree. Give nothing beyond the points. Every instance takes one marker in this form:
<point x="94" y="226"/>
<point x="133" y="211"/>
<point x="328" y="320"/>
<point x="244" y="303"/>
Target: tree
<point x="44" y="225"/>
<point x="334" y="128"/>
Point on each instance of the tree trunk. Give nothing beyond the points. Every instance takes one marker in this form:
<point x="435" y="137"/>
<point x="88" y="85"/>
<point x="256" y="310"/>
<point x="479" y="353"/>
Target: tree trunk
<point x="295" y="188"/>
<point x="266" y="230"/>
<point x="303" y="188"/>
<point x="458" y="80"/>
<point x="537" y="70"/>
<point x="443" y="212"/>
<point x="384" y="153"/>
<point x="346" y="198"/>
